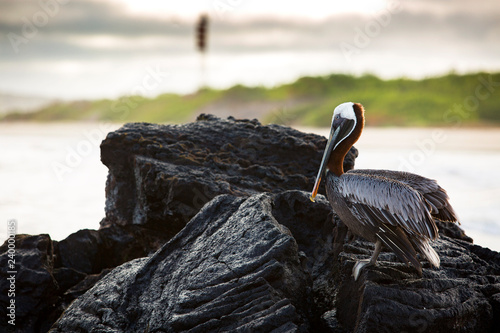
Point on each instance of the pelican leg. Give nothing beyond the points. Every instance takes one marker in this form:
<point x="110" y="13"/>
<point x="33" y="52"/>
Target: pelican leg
<point x="358" y="266"/>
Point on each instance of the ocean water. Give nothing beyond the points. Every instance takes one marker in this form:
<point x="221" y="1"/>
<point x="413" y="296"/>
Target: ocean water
<point x="52" y="180"/>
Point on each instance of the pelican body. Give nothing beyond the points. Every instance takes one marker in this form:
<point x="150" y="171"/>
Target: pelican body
<point x="391" y="208"/>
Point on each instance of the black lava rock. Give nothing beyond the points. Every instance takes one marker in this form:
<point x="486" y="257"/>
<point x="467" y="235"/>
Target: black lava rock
<point x="29" y="283"/>
<point x="161" y="175"/>
<point x="80" y="251"/>
<point x="460" y="296"/>
<point x="269" y="262"/>
<point x="232" y="268"/>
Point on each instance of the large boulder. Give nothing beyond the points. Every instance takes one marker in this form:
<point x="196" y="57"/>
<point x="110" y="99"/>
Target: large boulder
<point x="161" y="175"/>
<point x="234" y="267"/>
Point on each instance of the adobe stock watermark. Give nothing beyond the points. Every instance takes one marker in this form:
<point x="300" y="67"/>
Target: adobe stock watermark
<point x="151" y="81"/>
<point x="11" y="271"/>
<point x="223" y="7"/>
<point x="425" y="148"/>
<point x="92" y="138"/>
<point x="484" y="89"/>
<point x="76" y="154"/>
<point x="454" y="115"/>
<point x="31" y="25"/>
<point x="371" y="30"/>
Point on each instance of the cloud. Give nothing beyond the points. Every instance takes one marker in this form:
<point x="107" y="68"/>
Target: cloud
<point x="79" y="17"/>
<point x="454" y="7"/>
<point x="75" y="24"/>
<point x="422" y="34"/>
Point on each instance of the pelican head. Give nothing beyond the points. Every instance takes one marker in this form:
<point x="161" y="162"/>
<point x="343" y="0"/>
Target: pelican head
<point x="347" y="123"/>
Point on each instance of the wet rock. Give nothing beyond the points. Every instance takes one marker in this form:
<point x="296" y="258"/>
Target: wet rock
<point x="161" y="175"/>
<point x="31" y="283"/>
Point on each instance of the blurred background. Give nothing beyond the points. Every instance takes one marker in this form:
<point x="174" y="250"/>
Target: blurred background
<point x="427" y="72"/>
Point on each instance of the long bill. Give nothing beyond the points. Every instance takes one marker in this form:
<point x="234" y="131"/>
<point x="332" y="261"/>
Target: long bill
<point x="324" y="162"/>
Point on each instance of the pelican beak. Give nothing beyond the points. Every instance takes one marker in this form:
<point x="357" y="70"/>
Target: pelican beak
<point x="334" y="132"/>
<point x="341" y="128"/>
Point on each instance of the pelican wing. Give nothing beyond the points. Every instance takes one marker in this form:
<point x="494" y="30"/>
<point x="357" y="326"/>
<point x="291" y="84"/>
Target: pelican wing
<point x="376" y="200"/>
<point x="435" y="196"/>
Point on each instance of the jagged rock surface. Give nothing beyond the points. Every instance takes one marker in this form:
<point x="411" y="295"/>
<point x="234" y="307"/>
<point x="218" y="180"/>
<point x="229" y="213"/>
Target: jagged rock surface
<point x="161" y="175"/>
<point x="279" y="261"/>
<point x="461" y="296"/>
<point x="232" y="268"/>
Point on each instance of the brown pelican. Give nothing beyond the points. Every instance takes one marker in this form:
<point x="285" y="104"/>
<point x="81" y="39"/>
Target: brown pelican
<point x="391" y="208"/>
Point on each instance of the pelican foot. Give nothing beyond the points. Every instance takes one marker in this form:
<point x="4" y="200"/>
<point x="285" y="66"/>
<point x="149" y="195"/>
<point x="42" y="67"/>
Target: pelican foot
<point x="358" y="266"/>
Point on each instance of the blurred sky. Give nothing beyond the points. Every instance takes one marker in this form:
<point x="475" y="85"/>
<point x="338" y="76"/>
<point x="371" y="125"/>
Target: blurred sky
<point x="72" y="49"/>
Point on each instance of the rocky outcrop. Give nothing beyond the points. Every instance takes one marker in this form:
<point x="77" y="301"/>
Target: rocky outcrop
<point x="211" y="231"/>
<point x="159" y="178"/>
<point x="161" y="175"/>
<point x="233" y="267"/>
<point x="269" y="263"/>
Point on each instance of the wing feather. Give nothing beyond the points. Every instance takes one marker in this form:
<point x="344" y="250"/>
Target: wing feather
<point x="424" y="247"/>
<point x="434" y="195"/>
<point x="398" y="242"/>
<point x="377" y="200"/>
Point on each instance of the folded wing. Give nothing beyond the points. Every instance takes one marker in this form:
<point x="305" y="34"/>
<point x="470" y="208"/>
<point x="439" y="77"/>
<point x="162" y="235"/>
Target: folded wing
<point x="435" y="196"/>
<point x="376" y="199"/>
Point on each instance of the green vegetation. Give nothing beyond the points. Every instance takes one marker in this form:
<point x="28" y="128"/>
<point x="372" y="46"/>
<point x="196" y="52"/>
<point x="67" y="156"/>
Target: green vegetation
<point x="472" y="99"/>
